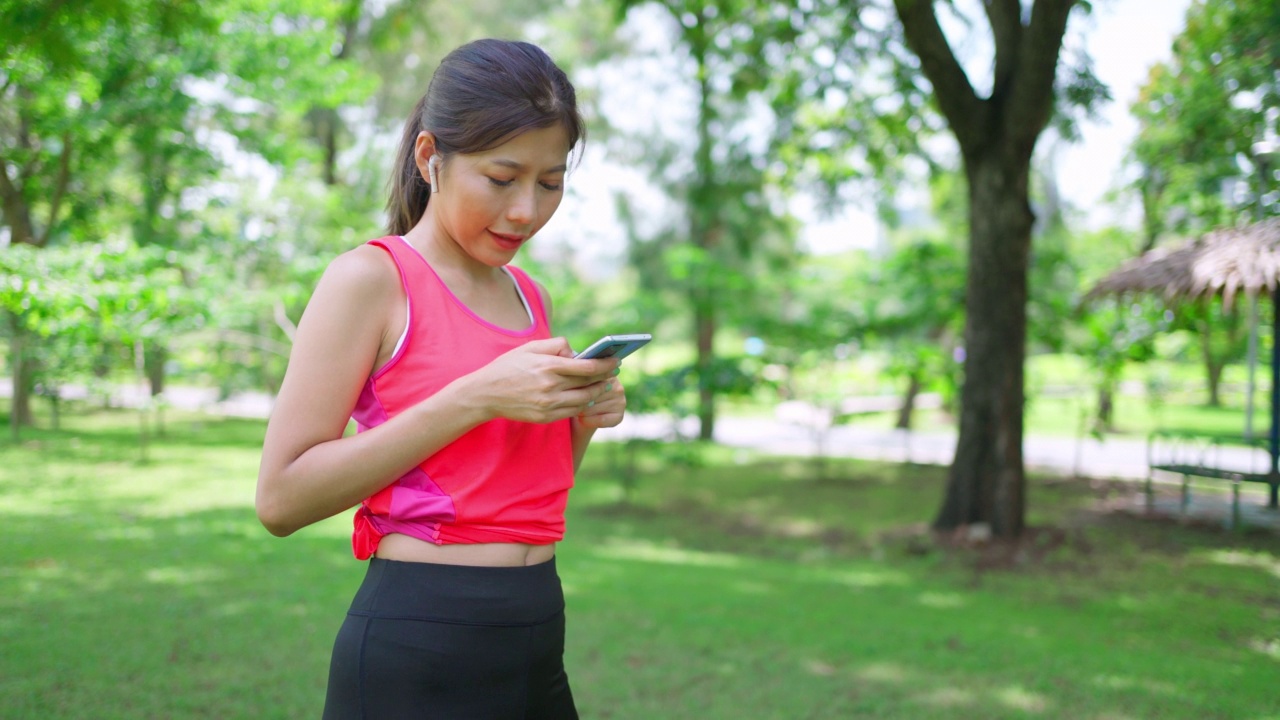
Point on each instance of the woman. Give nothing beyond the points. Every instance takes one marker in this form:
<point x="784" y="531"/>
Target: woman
<point x="472" y="417"/>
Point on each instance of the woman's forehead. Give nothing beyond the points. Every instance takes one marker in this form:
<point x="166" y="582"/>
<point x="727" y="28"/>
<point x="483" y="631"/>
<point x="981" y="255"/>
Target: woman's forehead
<point x="540" y="149"/>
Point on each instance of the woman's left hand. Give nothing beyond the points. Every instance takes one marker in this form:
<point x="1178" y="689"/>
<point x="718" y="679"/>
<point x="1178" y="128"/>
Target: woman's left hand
<point x="607" y="409"/>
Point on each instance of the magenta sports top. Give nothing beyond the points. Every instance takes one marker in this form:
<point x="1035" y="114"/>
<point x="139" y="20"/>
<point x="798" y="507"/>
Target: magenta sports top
<point x="502" y="481"/>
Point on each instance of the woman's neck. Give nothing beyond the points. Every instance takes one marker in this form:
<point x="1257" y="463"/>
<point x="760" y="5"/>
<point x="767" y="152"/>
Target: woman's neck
<point x="444" y="254"/>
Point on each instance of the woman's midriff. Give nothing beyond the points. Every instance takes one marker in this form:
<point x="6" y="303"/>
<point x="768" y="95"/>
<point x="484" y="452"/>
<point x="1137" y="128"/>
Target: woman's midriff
<point x="410" y="549"/>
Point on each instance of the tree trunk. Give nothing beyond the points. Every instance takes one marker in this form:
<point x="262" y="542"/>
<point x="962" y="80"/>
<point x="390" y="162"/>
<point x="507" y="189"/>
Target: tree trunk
<point x="156" y="356"/>
<point x="1232" y="328"/>
<point x="704" y="230"/>
<point x="55" y="409"/>
<point x="155" y="359"/>
<point x="1106" y="408"/>
<point x="987" y="480"/>
<point x="997" y="136"/>
<point x="1214" y="372"/>
<point x="139" y="369"/>
<point x="22" y="367"/>
<point x="914" y="385"/>
<point x="706" y="330"/>
<point x="1212" y="365"/>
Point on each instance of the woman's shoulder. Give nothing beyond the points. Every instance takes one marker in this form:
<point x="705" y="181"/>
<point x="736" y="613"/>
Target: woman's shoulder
<point x="366" y="271"/>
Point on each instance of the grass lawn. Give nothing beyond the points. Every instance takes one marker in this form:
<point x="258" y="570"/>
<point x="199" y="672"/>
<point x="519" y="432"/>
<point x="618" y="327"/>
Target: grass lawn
<point x="749" y="587"/>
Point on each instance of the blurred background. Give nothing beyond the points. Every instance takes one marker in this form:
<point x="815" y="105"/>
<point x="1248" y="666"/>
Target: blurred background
<point x="768" y="187"/>
<point x="820" y="210"/>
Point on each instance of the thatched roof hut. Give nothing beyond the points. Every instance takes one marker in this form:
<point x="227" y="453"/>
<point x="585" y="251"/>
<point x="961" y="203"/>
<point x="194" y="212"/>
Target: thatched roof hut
<point x="1226" y="261"/>
<point x="1223" y="262"/>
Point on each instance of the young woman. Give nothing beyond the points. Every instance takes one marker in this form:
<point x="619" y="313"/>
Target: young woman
<point x="472" y="417"/>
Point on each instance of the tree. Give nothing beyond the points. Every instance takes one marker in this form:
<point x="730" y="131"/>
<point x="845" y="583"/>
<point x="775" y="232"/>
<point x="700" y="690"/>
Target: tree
<point x="65" y="79"/>
<point x="731" y="210"/>
<point x="1110" y="334"/>
<point x="997" y="135"/>
<point x="917" y="314"/>
<point x="1200" y="115"/>
<point x="117" y="120"/>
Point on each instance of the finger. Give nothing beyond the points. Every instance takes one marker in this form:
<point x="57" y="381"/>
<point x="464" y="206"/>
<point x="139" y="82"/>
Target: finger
<point x="557" y="346"/>
<point x="597" y="368"/>
<point x="606" y="403"/>
<point x="601" y="420"/>
<point x="597" y="383"/>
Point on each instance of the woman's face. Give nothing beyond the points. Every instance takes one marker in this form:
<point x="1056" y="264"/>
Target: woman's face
<point x="490" y="203"/>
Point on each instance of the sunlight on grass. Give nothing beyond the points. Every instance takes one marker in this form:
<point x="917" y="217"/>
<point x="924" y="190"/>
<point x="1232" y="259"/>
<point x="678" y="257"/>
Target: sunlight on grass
<point x="1242" y="558"/>
<point x="820" y="668"/>
<point x="860" y="579"/>
<point x="177" y="575"/>
<point x="942" y="601"/>
<point x="51" y="579"/>
<point x="650" y="552"/>
<point x="1118" y="682"/>
<point x="1020" y="698"/>
<point x="1270" y="647"/>
<point x="948" y="697"/>
<point x="883" y="672"/>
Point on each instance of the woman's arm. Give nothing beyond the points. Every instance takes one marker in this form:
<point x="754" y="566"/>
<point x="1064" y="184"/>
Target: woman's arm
<point x="309" y="471"/>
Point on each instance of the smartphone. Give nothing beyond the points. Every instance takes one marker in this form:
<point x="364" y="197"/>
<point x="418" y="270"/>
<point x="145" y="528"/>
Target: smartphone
<point x="615" y="346"/>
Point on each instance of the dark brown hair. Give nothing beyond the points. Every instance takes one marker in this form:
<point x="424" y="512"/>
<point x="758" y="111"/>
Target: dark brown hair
<point x="481" y="95"/>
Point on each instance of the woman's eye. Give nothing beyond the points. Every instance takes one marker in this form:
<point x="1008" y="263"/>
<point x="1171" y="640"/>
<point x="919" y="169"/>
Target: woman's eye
<point x="552" y="186"/>
<point x="500" y="183"/>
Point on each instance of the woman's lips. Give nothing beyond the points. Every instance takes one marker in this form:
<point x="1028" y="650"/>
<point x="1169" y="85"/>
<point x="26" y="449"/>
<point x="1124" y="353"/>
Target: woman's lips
<point x="510" y="242"/>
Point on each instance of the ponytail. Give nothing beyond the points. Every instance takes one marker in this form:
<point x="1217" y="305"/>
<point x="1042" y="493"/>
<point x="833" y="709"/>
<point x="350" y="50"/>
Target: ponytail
<point x="409" y="192"/>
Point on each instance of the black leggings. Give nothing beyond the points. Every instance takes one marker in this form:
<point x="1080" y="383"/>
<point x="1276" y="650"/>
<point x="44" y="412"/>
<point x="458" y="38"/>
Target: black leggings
<point x="446" y="642"/>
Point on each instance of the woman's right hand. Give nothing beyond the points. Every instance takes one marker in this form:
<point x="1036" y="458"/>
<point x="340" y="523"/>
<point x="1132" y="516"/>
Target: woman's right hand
<point x="539" y="382"/>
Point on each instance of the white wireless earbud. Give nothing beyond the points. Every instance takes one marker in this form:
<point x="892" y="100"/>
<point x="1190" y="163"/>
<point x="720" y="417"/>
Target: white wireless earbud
<point x="433" y="169"/>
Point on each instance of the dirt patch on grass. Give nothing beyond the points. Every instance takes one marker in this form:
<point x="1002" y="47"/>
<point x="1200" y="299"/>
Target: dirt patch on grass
<point x="1089" y="526"/>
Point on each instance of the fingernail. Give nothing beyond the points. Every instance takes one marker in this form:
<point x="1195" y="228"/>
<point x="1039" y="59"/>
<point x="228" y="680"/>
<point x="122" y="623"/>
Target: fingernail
<point x="608" y="387"/>
<point x="591" y="403"/>
<point x="617" y="370"/>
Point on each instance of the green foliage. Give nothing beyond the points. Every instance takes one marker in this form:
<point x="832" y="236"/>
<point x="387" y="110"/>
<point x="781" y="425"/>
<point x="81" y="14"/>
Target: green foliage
<point x="136" y="121"/>
<point x="80" y="304"/>
<point x="733" y="225"/>
<point x="1200" y="115"/>
<point x="1113" y="333"/>
<point x="916" y="311"/>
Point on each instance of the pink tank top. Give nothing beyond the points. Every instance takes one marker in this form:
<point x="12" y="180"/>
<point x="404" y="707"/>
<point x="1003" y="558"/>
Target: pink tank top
<point x="502" y="481"/>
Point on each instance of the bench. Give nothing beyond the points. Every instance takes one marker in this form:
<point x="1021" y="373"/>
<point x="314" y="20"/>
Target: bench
<point x="1205" y="455"/>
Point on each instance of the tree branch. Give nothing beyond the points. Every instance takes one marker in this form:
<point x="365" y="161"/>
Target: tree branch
<point x="350" y="20"/>
<point x="283" y="322"/>
<point x="1031" y="98"/>
<point x="59" y="189"/>
<point x="957" y="100"/>
<point x="1005" y="18"/>
<point x="16" y="212"/>
<point x="240" y="338"/>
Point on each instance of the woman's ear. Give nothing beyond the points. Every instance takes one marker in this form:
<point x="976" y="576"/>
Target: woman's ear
<point x="424" y="153"/>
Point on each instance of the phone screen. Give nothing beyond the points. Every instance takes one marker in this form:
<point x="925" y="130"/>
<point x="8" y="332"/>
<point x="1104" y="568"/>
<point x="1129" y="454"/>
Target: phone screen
<point x="618" y="346"/>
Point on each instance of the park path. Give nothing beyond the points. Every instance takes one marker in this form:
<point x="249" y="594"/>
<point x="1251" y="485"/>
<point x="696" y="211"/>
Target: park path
<point x="1104" y="458"/>
<point x="789" y="434"/>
